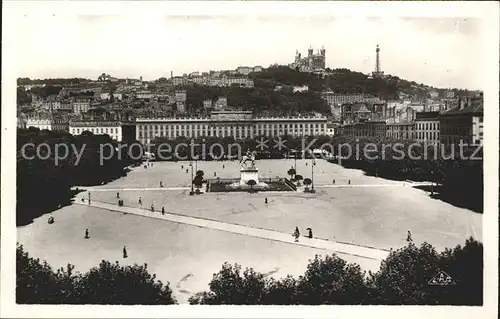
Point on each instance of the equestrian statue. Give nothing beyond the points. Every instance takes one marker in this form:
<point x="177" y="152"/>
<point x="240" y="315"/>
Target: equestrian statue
<point x="248" y="157"/>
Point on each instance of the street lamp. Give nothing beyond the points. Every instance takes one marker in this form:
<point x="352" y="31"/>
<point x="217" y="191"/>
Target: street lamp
<point x="313" y="162"/>
<point x="432" y="183"/>
<point x="295" y="157"/>
<point x="192" y="188"/>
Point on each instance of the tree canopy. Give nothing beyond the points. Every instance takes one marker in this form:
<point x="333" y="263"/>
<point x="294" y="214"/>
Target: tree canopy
<point x="109" y="283"/>
<point x="403" y="279"/>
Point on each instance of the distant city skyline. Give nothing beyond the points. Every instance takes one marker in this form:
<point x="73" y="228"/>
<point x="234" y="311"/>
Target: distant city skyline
<point x="441" y="52"/>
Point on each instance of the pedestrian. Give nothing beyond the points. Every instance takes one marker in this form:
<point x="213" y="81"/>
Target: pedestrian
<point x="408" y="237"/>
<point x="349" y="182"/>
<point x="310" y="233"/>
<point x="182" y="166"/>
<point x="125" y="252"/>
<point x="266" y="200"/>
<point x="118" y="195"/>
<point x="296" y="234"/>
<point x="163" y="210"/>
<point x="140" y="200"/>
<point x="215" y="174"/>
<point x="161" y="184"/>
<point x="223" y="166"/>
<point x="152" y="207"/>
<point x="83" y="200"/>
<point x="306" y="163"/>
<point x="87" y="233"/>
<point x="187" y="170"/>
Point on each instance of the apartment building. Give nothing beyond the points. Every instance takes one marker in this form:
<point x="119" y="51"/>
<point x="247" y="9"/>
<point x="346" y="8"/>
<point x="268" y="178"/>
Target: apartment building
<point x="427" y="127"/>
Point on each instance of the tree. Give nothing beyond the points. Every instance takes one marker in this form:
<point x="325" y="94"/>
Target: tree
<point x="198" y="181"/>
<point x="124" y="285"/>
<point x="37" y="283"/>
<point x="331" y="280"/>
<point x="251" y="183"/>
<point x="298" y="178"/>
<point x="200" y="173"/>
<point x="404" y="275"/>
<point x="402" y="279"/>
<point x="291" y="172"/>
<point x="231" y="286"/>
<point x="281" y="291"/>
<point x="465" y="266"/>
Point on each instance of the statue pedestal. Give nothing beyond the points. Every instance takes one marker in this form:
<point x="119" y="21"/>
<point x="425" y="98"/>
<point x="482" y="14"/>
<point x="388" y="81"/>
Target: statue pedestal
<point x="247" y="174"/>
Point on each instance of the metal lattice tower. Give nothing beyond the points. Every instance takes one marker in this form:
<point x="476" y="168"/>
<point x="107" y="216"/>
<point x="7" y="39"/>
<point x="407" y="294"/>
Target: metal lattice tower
<point x="377" y="63"/>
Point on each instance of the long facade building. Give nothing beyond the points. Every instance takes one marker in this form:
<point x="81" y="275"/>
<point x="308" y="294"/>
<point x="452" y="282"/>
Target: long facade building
<point x="236" y="124"/>
<point x="48" y="123"/>
<point x="121" y="131"/>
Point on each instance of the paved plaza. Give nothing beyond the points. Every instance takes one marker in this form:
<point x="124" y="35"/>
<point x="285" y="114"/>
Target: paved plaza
<point x="360" y="221"/>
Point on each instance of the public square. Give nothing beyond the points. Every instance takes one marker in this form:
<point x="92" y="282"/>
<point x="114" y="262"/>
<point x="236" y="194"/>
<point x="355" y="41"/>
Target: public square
<point x="358" y="217"/>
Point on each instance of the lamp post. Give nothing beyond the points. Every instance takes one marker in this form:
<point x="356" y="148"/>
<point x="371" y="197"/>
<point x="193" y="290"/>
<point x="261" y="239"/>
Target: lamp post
<point x="192" y="188"/>
<point x="313" y="162"/>
<point x="295" y="158"/>
<point x="432" y="183"/>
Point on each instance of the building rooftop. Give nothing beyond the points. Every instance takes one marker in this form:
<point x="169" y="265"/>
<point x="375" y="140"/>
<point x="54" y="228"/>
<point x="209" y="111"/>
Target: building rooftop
<point x="478" y="109"/>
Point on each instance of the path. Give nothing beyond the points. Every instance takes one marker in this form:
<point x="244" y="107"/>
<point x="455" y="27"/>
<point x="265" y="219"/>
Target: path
<point x="394" y="184"/>
<point x="341" y="248"/>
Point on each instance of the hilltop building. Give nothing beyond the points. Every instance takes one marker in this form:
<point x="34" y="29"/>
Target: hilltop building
<point x="312" y="62"/>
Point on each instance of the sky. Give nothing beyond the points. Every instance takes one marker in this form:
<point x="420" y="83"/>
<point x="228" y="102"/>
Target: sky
<point x="434" y="51"/>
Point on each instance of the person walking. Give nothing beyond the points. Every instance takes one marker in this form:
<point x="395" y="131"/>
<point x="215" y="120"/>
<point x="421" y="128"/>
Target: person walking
<point x="333" y="182"/>
<point x="163" y="210"/>
<point x="161" y="184"/>
<point x="266" y="200"/>
<point x="152" y="207"/>
<point x="118" y="195"/>
<point x="140" y="200"/>
<point x="125" y="255"/>
<point x="296" y="234"/>
<point x="349" y="182"/>
<point x="310" y="233"/>
<point x="87" y="233"/>
<point x="223" y="166"/>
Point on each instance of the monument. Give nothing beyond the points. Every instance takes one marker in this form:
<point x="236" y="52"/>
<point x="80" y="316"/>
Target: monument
<point x="249" y="179"/>
<point x="249" y="172"/>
